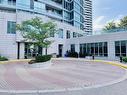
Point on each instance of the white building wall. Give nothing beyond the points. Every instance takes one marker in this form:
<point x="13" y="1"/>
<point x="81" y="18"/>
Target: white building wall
<point x="110" y="38"/>
<point x="8" y="45"/>
<point x="8" y="42"/>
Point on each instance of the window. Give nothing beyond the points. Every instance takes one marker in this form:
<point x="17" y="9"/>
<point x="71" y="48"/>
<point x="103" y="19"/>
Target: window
<point x="60" y="34"/>
<point x="11" y="27"/>
<point x="74" y="35"/>
<point x="92" y="48"/>
<point x="72" y="47"/>
<point x="123" y="48"/>
<point x="105" y="49"/>
<point x="67" y="15"/>
<point x="100" y="49"/>
<point x="31" y="4"/>
<point x="68" y="35"/>
<point x="12" y="1"/>
<point x="120" y="48"/>
<point x="88" y="49"/>
<point x="77" y="17"/>
<point x="52" y="34"/>
<point x="83" y="49"/>
<point x="97" y="49"/>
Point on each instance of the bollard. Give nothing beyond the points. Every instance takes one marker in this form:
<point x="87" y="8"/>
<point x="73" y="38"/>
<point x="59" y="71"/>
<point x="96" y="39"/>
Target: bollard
<point x="93" y="57"/>
<point x="121" y="59"/>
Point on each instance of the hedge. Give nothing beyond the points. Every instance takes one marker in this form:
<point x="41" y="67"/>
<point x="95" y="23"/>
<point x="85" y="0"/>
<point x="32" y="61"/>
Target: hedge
<point x="3" y="58"/>
<point x="124" y="59"/>
<point x="43" y="58"/>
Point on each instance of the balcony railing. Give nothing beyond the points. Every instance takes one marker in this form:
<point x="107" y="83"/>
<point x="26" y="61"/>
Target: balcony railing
<point x="56" y="2"/>
<point x="7" y="2"/>
<point x="54" y="13"/>
<point x="110" y="31"/>
<point x="38" y="10"/>
<point x="116" y="30"/>
<point x="51" y="2"/>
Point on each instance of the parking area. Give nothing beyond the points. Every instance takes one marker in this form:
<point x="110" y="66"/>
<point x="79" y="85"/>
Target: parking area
<point x="64" y="76"/>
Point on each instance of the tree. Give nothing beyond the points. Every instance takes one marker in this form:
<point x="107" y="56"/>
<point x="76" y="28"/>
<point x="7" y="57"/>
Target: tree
<point x="123" y="22"/>
<point x="38" y="32"/>
<point x="111" y="25"/>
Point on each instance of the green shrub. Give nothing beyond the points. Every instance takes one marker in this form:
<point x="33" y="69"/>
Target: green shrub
<point x="124" y="59"/>
<point x="43" y="58"/>
<point x="82" y="55"/>
<point x="3" y="58"/>
<point x="72" y="54"/>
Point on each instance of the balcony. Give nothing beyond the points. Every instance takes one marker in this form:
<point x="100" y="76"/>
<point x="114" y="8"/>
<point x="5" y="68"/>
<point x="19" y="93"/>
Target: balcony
<point x="57" y="1"/>
<point x="7" y="4"/>
<point x="54" y="11"/>
<point x="53" y="3"/>
<point x="54" y="14"/>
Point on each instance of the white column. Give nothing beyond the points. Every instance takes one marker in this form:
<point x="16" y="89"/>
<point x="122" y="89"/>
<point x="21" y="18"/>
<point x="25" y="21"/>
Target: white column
<point x="44" y="51"/>
<point x="22" y="50"/>
<point x="77" y="48"/>
<point x="111" y="50"/>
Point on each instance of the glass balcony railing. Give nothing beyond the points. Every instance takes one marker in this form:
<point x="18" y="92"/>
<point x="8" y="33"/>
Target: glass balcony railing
<point x="115" y="30"/>
<point x="7" y="3"/>
<point x="54" y="13"/>
<point x="52" y="2"/>
<point x="110" y="31"/>
<point x="38" y="10"/>
<point x="56" y="1"/>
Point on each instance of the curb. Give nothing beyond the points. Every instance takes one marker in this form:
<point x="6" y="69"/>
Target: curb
<point x="21" y="60"/>
<point x="106" y="62"/>
<point x="113" y="63"/>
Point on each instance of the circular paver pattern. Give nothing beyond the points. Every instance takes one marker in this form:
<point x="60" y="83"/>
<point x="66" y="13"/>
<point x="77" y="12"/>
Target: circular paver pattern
<point x="63" y="75"/>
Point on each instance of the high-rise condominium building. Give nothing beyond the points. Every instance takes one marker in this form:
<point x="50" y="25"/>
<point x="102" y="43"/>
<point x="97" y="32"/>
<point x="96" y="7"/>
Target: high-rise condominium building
<point x="88" y="15"/>
<point x="73" y="18"/>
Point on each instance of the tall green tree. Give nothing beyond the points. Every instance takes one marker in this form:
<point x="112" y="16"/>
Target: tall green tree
<point x="38" y="32"/>
<point x="111" y="25"/>
<point x="123" y="22"/>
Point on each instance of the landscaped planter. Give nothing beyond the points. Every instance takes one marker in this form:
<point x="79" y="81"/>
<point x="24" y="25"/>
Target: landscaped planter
<point x="43" y="65"/>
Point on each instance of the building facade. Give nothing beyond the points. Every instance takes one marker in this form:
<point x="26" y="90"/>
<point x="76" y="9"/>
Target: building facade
<point x="69" y="15"/>
<point x="108" y="46"/>
<point x="74" y="21"/>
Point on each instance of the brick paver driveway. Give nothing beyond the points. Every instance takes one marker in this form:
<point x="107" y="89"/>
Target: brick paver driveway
<point x="64" y="77"/>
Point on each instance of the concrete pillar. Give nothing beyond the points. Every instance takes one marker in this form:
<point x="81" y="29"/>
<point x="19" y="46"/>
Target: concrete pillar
<point x="44" y="51"/>
<point x="22" y="51"/>
<point x="111" y="50"/>
<point x="77" y="49"/>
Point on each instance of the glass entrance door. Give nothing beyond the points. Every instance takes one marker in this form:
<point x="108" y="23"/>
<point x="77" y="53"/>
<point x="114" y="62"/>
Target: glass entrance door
<point x="60" y="48"/>
<point x="31" y="50"/>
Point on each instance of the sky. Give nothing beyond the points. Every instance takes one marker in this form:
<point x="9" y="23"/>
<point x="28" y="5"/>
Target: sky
<point x="105" y="11"/>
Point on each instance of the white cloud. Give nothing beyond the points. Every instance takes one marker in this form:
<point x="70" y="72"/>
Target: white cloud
<point x="98" y="23"/>
<point x="117" y="19"/>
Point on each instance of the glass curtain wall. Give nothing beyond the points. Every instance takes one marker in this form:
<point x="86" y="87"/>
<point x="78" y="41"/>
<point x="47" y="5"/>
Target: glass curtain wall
<point x="30" y="5"/>
<point x="78" y="14"/>
<point x="73" y="13"/>
<point x="97" y="49"/>
<point x="120" y="48"/>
